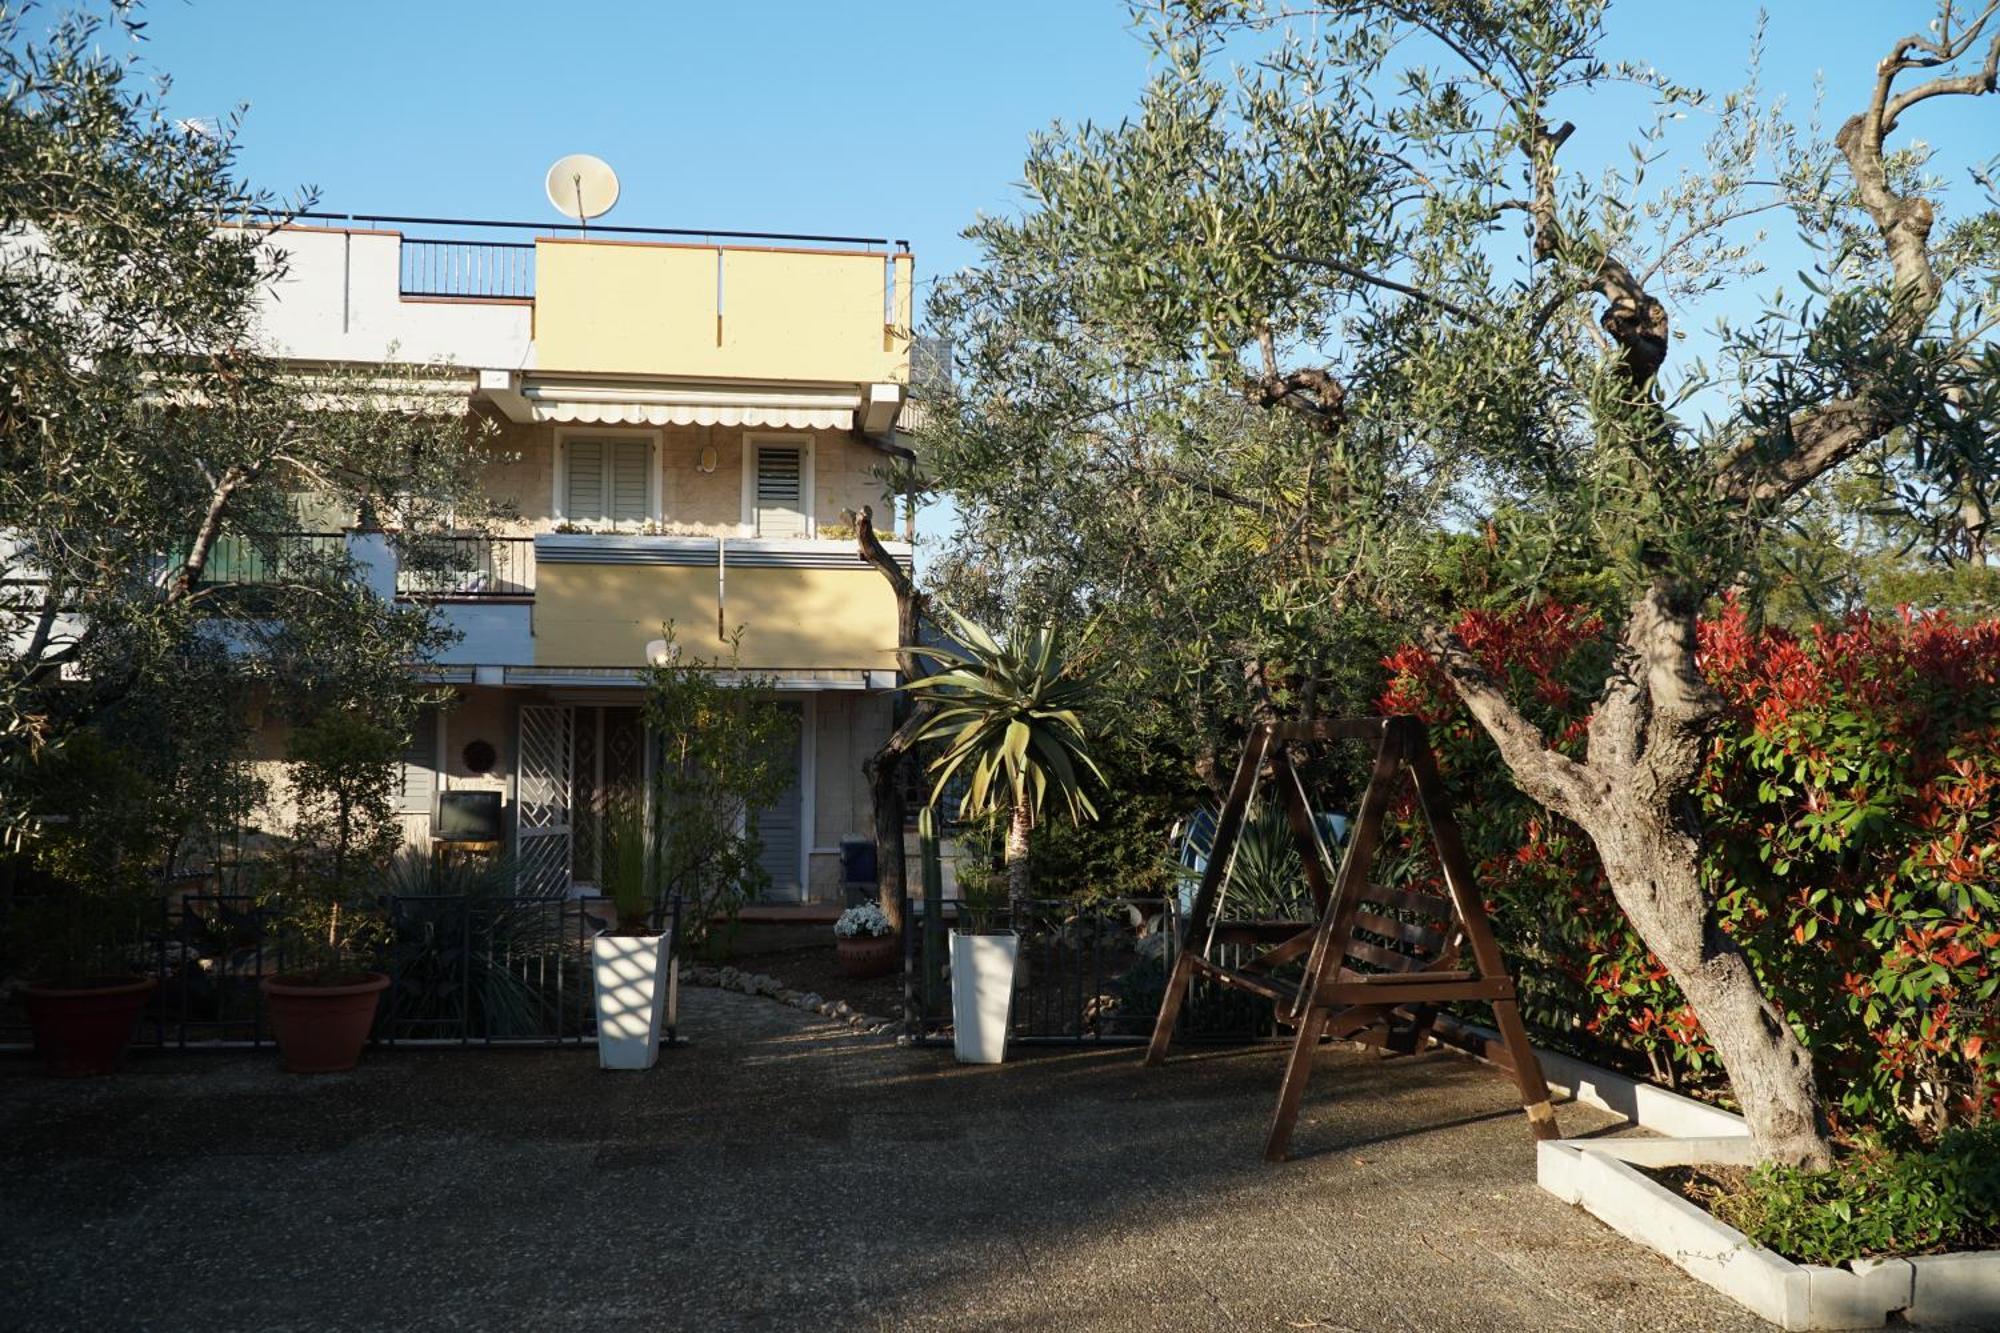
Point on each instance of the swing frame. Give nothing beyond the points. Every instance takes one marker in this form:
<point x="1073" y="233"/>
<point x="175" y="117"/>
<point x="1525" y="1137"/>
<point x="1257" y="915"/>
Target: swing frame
<point x="1394" y="1006"/>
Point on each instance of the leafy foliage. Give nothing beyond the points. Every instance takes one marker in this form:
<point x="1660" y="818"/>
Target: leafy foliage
<point x="1876" y="1202"/>
<point x="722" y="758"/>
<point x="1008" y="715"/>
<point x="1341" y="282"/>
<point x="467" y="954"/>
<point x="342" y="766"/>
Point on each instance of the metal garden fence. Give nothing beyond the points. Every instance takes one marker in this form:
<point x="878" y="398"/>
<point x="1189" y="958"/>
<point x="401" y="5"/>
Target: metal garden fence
<point x="1086" y="973"/>
<point x="463" y="970"/>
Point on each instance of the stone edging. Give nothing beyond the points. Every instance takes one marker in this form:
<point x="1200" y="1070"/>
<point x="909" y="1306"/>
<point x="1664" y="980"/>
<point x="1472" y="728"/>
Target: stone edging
<point x="1602" y="1176"/>
<point x="812" y="1002"/>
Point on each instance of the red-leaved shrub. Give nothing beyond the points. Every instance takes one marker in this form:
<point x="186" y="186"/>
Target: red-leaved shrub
<point x="1851" y="804"/>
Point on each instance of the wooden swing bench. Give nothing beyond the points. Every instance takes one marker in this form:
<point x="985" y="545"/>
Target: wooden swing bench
<point x="1378" y="962"/>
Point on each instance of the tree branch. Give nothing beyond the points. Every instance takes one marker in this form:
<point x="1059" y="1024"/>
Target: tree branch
<point x="1387" y="284"/>
<point x="1571" y="789"/>
<point x="909" y="600"/>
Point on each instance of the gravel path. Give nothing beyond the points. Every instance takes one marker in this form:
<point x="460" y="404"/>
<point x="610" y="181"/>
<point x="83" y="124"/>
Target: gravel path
<point x="785" y="1172"/>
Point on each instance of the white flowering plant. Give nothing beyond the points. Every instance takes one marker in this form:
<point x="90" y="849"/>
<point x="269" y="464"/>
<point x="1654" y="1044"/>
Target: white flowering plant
<point x="865" y="921"/>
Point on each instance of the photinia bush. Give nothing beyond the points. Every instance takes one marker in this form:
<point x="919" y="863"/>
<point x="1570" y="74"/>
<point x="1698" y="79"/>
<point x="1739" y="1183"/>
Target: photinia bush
<point x="1851" y="804"/>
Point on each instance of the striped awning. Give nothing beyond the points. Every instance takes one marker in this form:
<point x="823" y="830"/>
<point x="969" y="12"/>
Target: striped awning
<point x="689" y="405"/>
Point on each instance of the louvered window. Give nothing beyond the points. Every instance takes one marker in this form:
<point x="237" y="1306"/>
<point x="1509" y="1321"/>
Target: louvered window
<point x="607" y="479"/>
<point x="781" y="491"/>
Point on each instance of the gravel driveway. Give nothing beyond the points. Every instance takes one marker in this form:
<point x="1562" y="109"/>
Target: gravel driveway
<point x="783" y="1173"/>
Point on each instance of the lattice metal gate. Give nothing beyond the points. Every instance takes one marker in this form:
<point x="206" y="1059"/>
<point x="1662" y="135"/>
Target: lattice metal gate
<point x="544" y="799"/>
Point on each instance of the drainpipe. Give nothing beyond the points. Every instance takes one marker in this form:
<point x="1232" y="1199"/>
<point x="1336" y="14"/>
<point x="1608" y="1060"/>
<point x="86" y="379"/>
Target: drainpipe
<point x="721" y="586"/>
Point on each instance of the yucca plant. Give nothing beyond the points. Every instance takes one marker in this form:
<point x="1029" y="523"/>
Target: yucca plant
<point x="1010" y="712"/>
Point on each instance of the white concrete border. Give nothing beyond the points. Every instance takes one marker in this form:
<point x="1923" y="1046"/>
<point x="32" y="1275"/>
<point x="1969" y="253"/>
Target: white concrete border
<point x="1602" y="1176"/>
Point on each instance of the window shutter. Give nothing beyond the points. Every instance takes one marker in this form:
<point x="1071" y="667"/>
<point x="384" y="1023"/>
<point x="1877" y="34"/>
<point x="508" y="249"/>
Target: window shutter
<point x="584" y="497"/>
<point x="630" y="460"/>
<point x="420" y="762"/>
<point x="781" y="508"/>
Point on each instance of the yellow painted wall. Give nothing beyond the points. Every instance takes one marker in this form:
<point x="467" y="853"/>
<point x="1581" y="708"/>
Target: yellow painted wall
<point x="617" y="307"/>
<point x="604" y="615"/>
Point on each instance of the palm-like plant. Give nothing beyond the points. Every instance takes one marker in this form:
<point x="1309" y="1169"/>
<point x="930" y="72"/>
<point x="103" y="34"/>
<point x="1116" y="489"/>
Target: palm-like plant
<point x="1010" y="712"/>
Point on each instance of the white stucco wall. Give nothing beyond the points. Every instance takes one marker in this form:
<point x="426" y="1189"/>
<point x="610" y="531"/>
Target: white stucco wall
<point x="341" y="300"/>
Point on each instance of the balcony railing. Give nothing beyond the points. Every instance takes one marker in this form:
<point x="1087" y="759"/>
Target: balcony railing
<point x="492" y="267"/>
<point x="474" y="269"/>
<point x="238" y="560"/>
<point x="450" y="568"/>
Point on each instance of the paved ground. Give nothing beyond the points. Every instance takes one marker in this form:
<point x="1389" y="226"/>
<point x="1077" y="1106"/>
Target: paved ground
<point x="780" y="1174"/>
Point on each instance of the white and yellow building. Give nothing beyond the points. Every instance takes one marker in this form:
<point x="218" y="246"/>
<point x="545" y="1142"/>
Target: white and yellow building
<point x="684" y="425"/>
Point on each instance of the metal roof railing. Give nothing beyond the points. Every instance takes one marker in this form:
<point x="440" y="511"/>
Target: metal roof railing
<point x="687" y="233"/>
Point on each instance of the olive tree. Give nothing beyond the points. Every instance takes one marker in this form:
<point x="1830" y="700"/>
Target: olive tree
<point x="145" y="431"/>
<point x="1337" y="287"/>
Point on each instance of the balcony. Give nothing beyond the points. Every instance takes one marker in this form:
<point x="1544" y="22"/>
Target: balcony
<point x="696" y="306"/>
<point x="802" y="606"/>
<point x="460" y="568"/>
<point x="589" y="605"/>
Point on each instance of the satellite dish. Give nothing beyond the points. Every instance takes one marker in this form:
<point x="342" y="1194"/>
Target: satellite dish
<point x="582" y="187"/>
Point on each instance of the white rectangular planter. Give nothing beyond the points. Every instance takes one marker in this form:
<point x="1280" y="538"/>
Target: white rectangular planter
<point x="982" y="995"/>
<point x="633" y="977"/>
<point x="1602" y="1176"/>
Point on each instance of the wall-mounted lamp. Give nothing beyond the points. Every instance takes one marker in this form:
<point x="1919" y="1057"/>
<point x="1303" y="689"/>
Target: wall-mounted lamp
<point x="706" y="462"/>
<point x="660" y="653"/>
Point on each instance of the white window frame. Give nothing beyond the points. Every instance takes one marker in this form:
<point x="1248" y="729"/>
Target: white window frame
<point x="559" y="492"/>
<point x="808" y="482"/>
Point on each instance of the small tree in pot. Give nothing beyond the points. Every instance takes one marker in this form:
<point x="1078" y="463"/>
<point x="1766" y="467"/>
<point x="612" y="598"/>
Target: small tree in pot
<point x="121" y="809"/>
<point x="322" y="1006"/>
<point x="692" y="840"/>
<point x="1010" y="714"/>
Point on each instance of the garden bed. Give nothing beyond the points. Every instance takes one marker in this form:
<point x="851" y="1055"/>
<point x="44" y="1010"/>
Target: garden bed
<point x="1617" y="1181"/>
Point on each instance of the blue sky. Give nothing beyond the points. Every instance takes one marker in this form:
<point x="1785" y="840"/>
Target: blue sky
<point x="901" y="118"/>
<point x="898" y="118"/>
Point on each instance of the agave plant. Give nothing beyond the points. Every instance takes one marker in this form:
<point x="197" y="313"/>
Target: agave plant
<point x="465" y="951"/>
<point x="1267" y="880"/>
<point x="1010" y="712"/>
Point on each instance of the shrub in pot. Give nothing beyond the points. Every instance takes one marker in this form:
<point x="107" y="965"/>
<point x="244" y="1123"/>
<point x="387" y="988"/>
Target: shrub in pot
<point x="865" y="942"/>
<point x="632" y="966"/>
<point x="81" y="903"/>
<point x="322" y="1006"/>
<point x="984" y="958"/>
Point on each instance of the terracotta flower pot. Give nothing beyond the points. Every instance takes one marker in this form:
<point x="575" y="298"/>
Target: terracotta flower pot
<point x="863" y="956"/>
<point x="85" y="1028"/>
<point x="321" y="1028"/>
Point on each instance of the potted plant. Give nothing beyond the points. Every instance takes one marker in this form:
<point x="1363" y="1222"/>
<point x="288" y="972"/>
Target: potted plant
<point x="632" y="966"/>
<point x="322" y="1012"/>
<point x="864" y="942"/>
<point x="1009" y="713"/>
<point x="82" y="904"/>
<point x="323" y="1001"/>
<point x="983" y="959"/>
<point x="79" y="948"/>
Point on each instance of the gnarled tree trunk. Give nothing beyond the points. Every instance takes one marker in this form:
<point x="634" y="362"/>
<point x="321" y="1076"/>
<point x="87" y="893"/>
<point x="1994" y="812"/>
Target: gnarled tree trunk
<point x="1632" y="796"/>
<point x="884" y="768"/>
